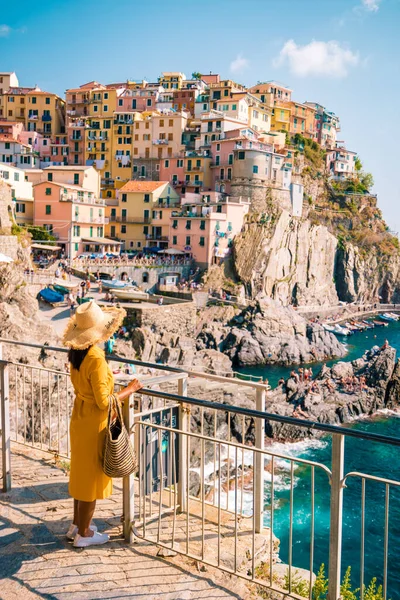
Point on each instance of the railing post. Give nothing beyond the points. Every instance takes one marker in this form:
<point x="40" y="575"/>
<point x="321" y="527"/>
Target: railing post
<point x="128" y="483"/>
<point x="336" y="522"/>
<point x="182" y="447"/>
<point x="5" y="427"/>
<point x="259" y="463"/>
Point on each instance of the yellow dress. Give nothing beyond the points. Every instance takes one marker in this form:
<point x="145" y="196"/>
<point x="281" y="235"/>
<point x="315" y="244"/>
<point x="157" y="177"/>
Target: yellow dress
<point x="93" y="384"/>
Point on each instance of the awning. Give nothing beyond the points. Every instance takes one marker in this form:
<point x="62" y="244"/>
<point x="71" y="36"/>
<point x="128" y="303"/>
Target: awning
<point x="101" y="241"/>
<point x="5" y="259"/>
<point x="45" y="247"/>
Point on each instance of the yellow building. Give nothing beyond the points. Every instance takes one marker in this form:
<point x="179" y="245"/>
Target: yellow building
<point x="172" y="80"/>
<point x="40" y="111"/>
<point x="140" y="216"/>
<point x="122" y="146"/>
<point x="7" y="80"/>
<point x="197" y="172"/>
<point x="280" y="118"/>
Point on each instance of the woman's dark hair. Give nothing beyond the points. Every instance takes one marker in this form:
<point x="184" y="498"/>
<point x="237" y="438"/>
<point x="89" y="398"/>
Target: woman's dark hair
<point x="76" y="357"/>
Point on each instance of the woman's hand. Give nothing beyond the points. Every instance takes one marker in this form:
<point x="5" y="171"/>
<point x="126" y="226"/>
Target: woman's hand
<point x="133" y="386"/>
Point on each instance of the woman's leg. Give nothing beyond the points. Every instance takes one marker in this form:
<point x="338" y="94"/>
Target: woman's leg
<point x="76" y="512"/>
<point x="85" y="514"/>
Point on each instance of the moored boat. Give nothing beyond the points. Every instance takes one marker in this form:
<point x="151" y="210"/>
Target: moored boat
<point x="113" y="284"/>
<point x="130" y="293"/>
<point x="339" y="330"/>
<point x="50" y="296"/>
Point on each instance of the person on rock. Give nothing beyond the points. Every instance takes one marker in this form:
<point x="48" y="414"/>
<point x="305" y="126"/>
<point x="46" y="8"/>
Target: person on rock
<point x="93" y="384"/>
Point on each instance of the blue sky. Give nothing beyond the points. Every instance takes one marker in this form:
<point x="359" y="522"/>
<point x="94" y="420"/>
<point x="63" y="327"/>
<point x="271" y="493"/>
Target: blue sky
<point x="341" y="53"/>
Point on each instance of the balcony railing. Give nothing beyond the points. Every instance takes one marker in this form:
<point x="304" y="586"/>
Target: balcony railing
<point x="115" y="219"/>
<point x="75" y="139"/>
<point x="32" y="117"/>
<point x="237" y="473"/>
<point x="160" y="142"/>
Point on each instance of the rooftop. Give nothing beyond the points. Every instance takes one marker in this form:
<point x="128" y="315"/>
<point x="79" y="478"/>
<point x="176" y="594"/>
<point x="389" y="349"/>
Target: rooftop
<point x="69" y="167"/>
<point x="142" y="186"/>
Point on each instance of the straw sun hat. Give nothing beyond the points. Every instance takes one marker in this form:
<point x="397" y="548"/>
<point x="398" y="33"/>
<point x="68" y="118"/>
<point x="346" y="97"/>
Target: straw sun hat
<point x="91" y="325"/>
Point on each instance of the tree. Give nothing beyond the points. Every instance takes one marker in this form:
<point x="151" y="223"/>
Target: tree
<point x="358" y="164"/>
<point x="40" y="233"/>
<point x="196" y="75"/>
<point x="367" y="181"/>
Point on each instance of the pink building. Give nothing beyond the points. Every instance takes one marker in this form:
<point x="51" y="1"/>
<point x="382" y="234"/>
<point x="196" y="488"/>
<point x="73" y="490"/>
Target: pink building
<point x="206" y="224"/>
<point x="74" y="215"/>
<point x="172" y="170"/>
<point x="12" y="129"/>
<point x="137" y="100"/>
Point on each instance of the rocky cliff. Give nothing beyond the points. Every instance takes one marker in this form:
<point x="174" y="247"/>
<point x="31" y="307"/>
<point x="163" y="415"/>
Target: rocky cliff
<point x="302" y="262"/>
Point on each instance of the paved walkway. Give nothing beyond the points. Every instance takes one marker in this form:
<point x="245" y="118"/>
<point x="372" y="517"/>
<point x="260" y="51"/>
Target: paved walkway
<point x="36" y="560"/>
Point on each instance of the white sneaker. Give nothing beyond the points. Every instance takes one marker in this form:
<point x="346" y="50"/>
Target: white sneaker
<point x="73" y="530"/>
<point x="96" y="540"/>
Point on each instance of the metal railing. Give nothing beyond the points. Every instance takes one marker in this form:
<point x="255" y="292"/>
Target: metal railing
<point x="207" y="485"/>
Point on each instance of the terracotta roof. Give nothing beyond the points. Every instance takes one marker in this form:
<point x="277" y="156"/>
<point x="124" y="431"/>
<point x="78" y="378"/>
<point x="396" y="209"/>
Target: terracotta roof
<point x="142" y="186"/>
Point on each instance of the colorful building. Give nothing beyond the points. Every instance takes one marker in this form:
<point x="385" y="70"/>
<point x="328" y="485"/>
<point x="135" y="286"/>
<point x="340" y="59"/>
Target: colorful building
<point x="140" y="216"/>
<point x="206" y="224"/>
<point x="172" y="80"/>
<point x="327" y="125"/>
<point x="341" y="163"/>
<point x="74" y="215"/>
<point x="21" y="192"/>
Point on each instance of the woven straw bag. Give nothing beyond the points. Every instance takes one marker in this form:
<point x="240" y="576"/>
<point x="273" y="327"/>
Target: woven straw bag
<point x="119" y="459"/>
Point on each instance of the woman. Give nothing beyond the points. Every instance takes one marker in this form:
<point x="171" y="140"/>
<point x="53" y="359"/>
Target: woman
<point x="93" y="383"/>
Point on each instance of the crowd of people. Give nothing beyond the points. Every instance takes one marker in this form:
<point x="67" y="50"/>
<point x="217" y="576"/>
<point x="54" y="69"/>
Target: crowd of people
<point x="140" y="260"/>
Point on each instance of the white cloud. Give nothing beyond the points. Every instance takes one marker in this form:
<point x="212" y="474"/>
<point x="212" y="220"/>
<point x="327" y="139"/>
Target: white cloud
<point x="5" y="30"/>
<point x="371" y="5"/>
<point x="326" y="59"/>
<point x="239" y="65"/>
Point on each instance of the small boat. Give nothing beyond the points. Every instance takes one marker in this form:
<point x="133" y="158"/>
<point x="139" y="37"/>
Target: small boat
<point x="389" y="317"/>
<point x="50" y="296"/>
<point x="394" y="316"/>
<point x="109" y="284"/>
<point x="351" y="327"/>
<point x="368" y="324"/>
<point x="130" y="293"/>
<point x="83" y="300"/>
<point x="328" y="327"/>
<point x="339" y="330"/>
<point x="381" y="324"/>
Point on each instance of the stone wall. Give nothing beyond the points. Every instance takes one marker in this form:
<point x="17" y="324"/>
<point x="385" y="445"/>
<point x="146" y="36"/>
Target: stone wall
<point x="174" y="318"/>
<point x="9" y="246"/>
<point x="260" y="193"/>
<point x="5" y="206"/>
<point x="137" y="274"/>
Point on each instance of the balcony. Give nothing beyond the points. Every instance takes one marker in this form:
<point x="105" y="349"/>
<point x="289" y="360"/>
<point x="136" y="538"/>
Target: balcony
<point x="153" y="237"/>
<point x="103" y="137"/>
<point x="75" y="139"/>
<point x="32" y="117"/>
<point x="79" y="200"/>
<point x="108" y="183"/>
<point x="195" y="183"/>
<point x="123" y="122"/>
<point x="46" y="118"/>
<point x="160" y="142"/>
<point x="94" y="220"/>
<point x="139" y="220"/>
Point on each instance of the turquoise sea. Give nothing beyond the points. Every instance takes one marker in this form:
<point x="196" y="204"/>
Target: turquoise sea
<point x="369" y="457"/>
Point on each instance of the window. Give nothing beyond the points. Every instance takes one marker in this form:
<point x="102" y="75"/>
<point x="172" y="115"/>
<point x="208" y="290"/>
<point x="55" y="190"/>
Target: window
<point x="233" y="106"/>
<point x="76" y="178"/>
<point x="20" y="207"/>
<point x="48" y="191"/>
<point x="95" y="108"/>
<point x="105" y="96"/>
<point x="175" y="224"/>
<point x="202" y="241"/>
<point x="33" y="100"/>
<point x="161" y="122"/>
<point x="188" y="224"/>
<point x="49" y="176"/>
<point x="147" y="198"/>
<point x="134" y="106"/>
<point x="90" y="231"/>
<point x="48" y="209"/>
<point x="149" y="102"/>
<point x="202" y="225"/>
<point x="217" y="159"/>
<point x="107" y="124"/>
<point x="105" y="108"/>
<point x="47" y="100"/>
<point x="166" y="164"/>
<point x="230" y="159"/>
<point x="188" y="240"/>
<point x="16" y="176"/>
<point x="229" y="174"/>
<point x="174" y="240"/>
<point x="7" y="145"/>
<point x="179" y="163"/>
<point x="120" y="102"/>
<point x="124" y="198"/>
<point x="255" y="169"/>
<point x="123" y="228"/>
<point x="241" y="155"/>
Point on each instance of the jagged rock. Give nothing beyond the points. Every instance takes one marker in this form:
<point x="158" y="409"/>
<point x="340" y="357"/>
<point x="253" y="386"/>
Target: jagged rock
<point x="342" y="369"/>
<point x="392" y="398"/>
<point x="271" y="333"/>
